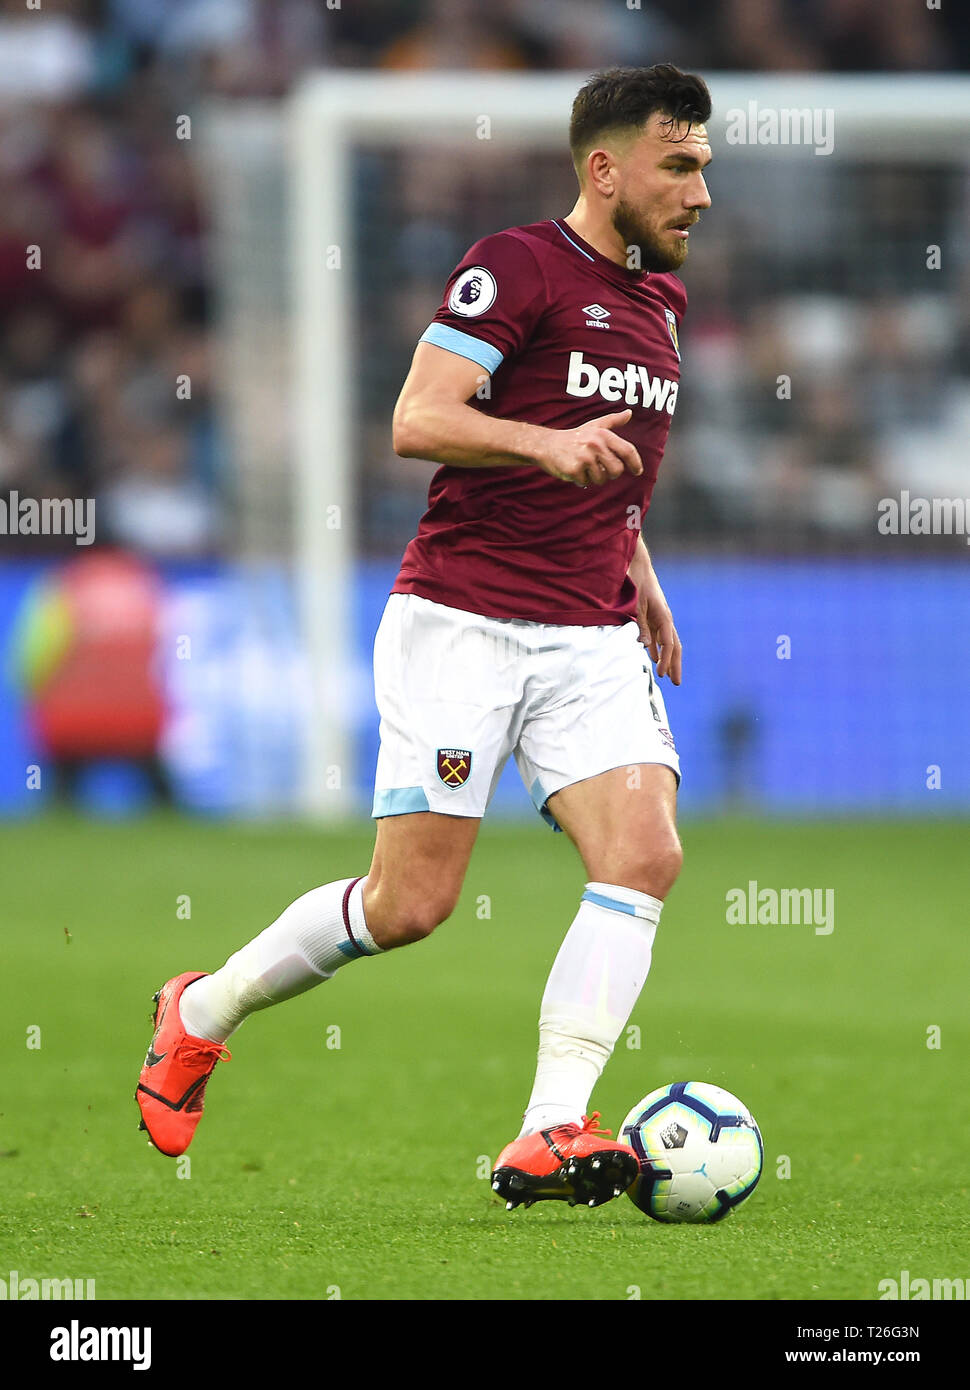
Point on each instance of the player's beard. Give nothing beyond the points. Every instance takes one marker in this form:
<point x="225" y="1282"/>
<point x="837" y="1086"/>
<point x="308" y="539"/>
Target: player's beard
<point x="653" y="254"/>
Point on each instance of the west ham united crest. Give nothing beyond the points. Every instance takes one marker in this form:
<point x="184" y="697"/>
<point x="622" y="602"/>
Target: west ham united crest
<point x="454" y="766"/>
<point x="672" y="330"/>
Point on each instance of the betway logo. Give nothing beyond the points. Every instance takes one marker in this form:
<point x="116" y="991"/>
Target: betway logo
<point x="631" y="384"/>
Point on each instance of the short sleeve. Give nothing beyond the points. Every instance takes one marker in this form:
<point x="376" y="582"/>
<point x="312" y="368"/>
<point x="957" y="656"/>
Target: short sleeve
<point x="492" y="302"/>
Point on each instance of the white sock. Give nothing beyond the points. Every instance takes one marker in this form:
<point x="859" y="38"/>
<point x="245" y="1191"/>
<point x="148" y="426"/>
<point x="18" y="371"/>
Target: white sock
<point x="593" y="985"/>
<point x="314" y="937"/>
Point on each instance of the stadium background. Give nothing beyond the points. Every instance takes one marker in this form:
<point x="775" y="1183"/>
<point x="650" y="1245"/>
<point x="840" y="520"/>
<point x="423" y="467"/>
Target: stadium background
<point x="166" y="256"/>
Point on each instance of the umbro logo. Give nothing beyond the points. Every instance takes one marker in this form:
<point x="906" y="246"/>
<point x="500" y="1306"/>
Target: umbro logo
<point x="596" y="314"/>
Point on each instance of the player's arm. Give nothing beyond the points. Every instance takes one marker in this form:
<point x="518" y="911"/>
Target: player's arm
<point x="657" y="631"/>
<point x="433" y="420"/>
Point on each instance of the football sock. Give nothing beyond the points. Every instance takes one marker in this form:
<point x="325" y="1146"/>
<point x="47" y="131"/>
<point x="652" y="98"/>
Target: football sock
<point x="315" y="936"/>
<point x="593" y="985"/>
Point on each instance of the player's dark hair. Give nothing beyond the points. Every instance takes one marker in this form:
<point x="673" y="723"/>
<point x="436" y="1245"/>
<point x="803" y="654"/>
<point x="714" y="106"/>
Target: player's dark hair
<point x="628" y="97"/>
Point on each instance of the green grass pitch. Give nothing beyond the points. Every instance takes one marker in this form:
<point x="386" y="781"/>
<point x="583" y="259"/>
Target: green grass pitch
<point x="360" y="1170"/>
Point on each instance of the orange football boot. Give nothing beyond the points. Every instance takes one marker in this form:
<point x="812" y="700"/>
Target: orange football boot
<point x="568" y="1163"/>
<point x="172" y="1084"/>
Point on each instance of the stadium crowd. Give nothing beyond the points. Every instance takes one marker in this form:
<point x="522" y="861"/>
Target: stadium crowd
<point x="109" y="331"/>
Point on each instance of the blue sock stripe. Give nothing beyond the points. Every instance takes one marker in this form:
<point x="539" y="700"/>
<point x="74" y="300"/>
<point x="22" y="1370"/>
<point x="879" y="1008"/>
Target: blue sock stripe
<point x="351" y="949"/>
<point x="614" y="904"/>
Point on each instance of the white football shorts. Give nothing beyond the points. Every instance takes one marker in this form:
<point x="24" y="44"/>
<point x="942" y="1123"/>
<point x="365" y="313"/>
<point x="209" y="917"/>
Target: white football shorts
<point x="458" y="693"/>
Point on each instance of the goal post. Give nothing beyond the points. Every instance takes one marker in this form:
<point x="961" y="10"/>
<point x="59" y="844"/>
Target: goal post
<point x="323" y="448"/>
<point x="331" y="116"/>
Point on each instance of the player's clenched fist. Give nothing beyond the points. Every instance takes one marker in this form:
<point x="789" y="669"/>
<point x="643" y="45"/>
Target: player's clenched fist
<point x="591" y="453"/>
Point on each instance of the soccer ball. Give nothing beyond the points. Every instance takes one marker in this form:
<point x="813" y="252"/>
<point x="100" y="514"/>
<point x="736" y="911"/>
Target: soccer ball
<point x="700" y="1152"/>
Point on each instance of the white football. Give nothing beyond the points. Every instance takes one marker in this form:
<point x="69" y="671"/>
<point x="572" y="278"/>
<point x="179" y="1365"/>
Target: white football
<point x="699" y="1149"/>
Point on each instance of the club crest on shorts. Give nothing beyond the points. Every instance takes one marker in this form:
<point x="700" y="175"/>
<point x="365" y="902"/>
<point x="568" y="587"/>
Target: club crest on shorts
<point x="672" y="330"/>
<point x="454" y="766"/>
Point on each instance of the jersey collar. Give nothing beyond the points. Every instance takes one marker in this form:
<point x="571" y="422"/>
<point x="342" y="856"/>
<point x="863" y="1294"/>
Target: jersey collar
<point x="620" y="273"/>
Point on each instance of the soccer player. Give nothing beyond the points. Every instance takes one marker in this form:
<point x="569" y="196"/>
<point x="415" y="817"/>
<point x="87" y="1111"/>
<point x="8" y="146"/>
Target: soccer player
<point x="525" y="620"/>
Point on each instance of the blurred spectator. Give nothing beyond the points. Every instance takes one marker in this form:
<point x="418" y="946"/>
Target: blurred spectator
<point x="452" y="34"/>
<point x="109" y="319"/>
<point x="99" y="333"/>
<point x="45" y="54"/>
<point x="83" y="653"/>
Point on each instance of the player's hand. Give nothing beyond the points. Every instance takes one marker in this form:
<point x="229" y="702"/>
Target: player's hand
<point x="664" y="645"/>
<point x="591" y="453"/>
<point x="656" y="623"/>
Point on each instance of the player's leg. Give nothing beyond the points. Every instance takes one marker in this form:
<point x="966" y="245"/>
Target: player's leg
<point x="415" y="877"/>
<point x="623" y="824"/>
<point x="416" y="874"/>
<point x="601" y="766"/>
<point x="444" y="738"/>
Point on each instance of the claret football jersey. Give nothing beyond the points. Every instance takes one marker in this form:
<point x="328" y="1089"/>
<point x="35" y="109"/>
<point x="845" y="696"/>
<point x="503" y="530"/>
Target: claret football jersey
<point x="563" y="335"/>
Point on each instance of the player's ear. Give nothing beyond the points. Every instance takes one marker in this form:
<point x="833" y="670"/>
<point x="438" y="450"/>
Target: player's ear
<point x="601" y="172"/>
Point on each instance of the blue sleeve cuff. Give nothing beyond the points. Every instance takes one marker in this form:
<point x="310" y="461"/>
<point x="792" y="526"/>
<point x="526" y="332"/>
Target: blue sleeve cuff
<point x="464" y="345"/>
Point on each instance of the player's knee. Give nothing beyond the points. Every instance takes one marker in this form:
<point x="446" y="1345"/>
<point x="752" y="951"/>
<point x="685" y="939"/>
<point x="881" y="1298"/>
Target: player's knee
<point x="664" y="863"/>
<point x="419" y="922"/>
<point x="670" y="864"/>
<point x="407" y="920"/>
<point x="655" y="868"/>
